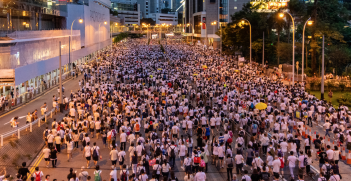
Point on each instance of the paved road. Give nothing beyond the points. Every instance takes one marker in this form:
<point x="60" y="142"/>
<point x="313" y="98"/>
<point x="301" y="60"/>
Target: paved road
<point x="35" y="104"/>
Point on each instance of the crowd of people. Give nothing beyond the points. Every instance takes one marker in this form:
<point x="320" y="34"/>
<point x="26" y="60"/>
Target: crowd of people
<point x="152" y="109"/>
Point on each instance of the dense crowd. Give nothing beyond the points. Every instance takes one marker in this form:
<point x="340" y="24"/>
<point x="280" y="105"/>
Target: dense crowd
<point x="153" y="108"/>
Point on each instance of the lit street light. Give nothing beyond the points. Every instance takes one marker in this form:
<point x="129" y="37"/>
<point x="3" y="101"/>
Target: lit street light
<point x="243" y="22"/>
<point x="281" y="15"/>
<point x="69" y="43"/>
<point x="303" y="44"/>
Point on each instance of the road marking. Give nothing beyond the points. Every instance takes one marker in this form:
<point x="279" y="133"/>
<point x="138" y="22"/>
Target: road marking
<point x="31" y="171"/>
<point x="31" y="101"/>
<point x="18" y="118"/>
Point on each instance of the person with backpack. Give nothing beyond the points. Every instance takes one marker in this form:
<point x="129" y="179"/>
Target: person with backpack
<point x="38" y="175"/>
<point x="97" y="173"/>
<point x="157" y="169"/>
<point x="121" y="155"/>
<point x="322" y="177"/>
<point x="327" y="169"/>
<point x="124" y="173"/>
<point x="87" y="154"/>
<point x="172" y="152"/>
<point x="292" y="162"/>
<point x="230" y="165"/>
<point x="95" y="152"/>
<point x="303" y="162"/>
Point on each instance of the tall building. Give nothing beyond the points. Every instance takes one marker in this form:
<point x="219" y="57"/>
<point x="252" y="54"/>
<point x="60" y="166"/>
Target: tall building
<point x="31" y="35"/>
<point x="200" y="14"/>
<point x="128" y="11"/>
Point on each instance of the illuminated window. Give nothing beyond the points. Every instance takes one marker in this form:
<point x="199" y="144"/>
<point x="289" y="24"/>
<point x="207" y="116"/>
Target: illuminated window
<point x="235" y="7"/>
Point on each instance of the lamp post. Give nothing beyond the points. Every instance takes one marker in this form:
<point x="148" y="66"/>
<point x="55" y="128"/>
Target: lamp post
<point x="243" y="21"/>
<point x="191" y="32"/>
<point x="303" y="44"/>
<point x="322" y="82"/>
<point x="281" y="15"/>
<point x="69" y="43"/>
<point x="105" y="22"/>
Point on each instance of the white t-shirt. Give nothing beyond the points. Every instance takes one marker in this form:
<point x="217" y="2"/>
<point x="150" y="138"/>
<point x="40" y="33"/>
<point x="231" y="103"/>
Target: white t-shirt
<point x="114" y="155"/>
<point x="276" y="165"/>
<point x="292" y="160"/>
<point x="113" y="174"/>
<point x="239" y="159"/>
<point x="123" y="137"/>
<point x="95" y="148"/>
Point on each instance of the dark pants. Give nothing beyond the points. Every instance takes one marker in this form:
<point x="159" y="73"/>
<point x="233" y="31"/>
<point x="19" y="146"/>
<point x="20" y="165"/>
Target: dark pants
<point x="172" y="160"/>
<point x="165" y="175"/>
<point x="58" y="148"/>
<point x="76" y="144"/>
<point x="54" y="163"/>
<point x="123" y="146"/>
<point x="50" y="145"/>
<point x="238" y="168"/>
<point x="264" y="149"/>
<point x="309" y="120"/>
<point x="229" y="173"/>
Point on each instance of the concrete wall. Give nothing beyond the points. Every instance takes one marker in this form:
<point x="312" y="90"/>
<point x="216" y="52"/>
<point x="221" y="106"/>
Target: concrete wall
<point x="25" y="73"/>
<point x="93" y="29"/>
<point x="211" y="16"/>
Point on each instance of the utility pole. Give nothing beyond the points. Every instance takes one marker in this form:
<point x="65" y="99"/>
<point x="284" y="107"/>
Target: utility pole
<point x="322" y="82"/>
<point x="60" y="78"/>
<point x="263" y="51"/>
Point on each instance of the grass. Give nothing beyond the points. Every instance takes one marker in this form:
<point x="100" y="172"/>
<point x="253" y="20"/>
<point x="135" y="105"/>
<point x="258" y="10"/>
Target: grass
<point x="336" y="94"/>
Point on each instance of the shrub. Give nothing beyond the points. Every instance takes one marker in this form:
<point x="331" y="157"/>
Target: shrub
<point x="342" y="86"/>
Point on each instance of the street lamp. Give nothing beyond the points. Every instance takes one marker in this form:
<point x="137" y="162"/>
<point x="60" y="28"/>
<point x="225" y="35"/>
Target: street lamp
<point x="105" y="22"/>
<point x="191" y="32"/>
<point x="303" y="43"/>
<point x="69" y="43"/>
<point x="243" y="21"/>
<point x="281" y="15"/>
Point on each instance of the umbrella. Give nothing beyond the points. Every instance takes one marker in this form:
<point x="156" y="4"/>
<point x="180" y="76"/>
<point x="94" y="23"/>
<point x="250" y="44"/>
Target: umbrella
<point x="305" y="101"/>
<point x="236" y="71"/>
<point x="159" y="69"/>
<point x="195" y="74"/>
<point x="204" y="66"/>
<point x="261" y="106"/>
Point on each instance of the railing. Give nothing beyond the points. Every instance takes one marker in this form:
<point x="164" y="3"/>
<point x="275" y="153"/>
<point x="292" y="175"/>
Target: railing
<point x="27" y="126"/>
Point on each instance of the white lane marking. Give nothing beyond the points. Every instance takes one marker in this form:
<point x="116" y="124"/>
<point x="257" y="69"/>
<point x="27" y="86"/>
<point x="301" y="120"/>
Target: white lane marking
<point x="18" y="118"/>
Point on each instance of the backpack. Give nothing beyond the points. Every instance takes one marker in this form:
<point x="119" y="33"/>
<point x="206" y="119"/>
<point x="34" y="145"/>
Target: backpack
<point x="197" y="160"/>
<point x="172" y="152"/>
<point x="81" y="136"/>
<point x="252" y="105"/>
<point x="241" y="133"/>
<point x="280" y="153"/>
<point x="97" y="176"/>
<point x="342" y="137"/>
<point x="208" y="132"/>
<point x="265" y="176"/>
<point x="196" y="122"/>
<point x="85" y="123"/>
<point x="305" y="162"/>
<point x="160" y="127"/>
<point x="95" y="154"/>
<point x="229" y="140"/>
<point x="281" y="162"/>
<point x="158" y="151"/>
<point x="137" y="127"/>
<point x="46" y="133"/>
<point x="154" y="136"/>
<point x="37" y="176"/>
<point x="328" y="170"/>
<point x="124" y="176"/>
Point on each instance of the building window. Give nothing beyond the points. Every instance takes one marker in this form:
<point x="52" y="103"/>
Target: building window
<point x="235" y="7"/>
<point x="147" y="6"/>
<point x="147" y="13"/>
<point x="147" y="3"/>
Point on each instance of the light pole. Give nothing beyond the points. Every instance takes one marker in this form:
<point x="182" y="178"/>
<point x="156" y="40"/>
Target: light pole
<point x="250" y="36"/>
<point x="191" y="26"/>
<point x="293" y="63"/>
<point x="60" y="78"/>
<point x="69" y="43"/>
<point x="105" y="22"/>
<point x="322" y="82"/>
<point x="303" y="44"/>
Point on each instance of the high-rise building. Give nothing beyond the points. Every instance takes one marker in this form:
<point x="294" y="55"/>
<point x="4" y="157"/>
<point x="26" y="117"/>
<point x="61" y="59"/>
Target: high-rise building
<point x="202" y="18"/>
<point x="31" y="33"/>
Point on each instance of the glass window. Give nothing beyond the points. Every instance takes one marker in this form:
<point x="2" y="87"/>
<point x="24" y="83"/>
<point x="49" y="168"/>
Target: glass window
<point x="235" y="7"/>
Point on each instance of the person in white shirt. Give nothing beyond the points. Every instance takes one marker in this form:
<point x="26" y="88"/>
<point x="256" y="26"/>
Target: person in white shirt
<point x="330" y="153"/>
<point x="143" y="176"/>
<point x="200" y="176"/>
<point x="292" y="161"/>
<point x="97" y="150"/>
<point x="334" y="177"/>
<point x="239" y="160"/>
<point x="113" y="173"/>
<point x="114" y="155"/>
<point x="276" y="165"/>
<point x="246" y="177"/>
<point x="123" y="139"/>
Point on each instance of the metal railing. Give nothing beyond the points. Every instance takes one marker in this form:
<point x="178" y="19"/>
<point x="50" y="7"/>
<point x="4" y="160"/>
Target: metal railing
<point x="26" y="127"/>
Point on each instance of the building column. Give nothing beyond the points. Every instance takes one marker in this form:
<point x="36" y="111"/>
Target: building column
<point x="9" y="20"/>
